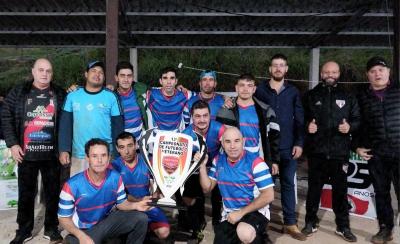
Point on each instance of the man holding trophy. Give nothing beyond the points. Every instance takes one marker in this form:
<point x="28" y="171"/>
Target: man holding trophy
<point x="193" y="196"/>
<point x="136" y="178"/>
<point x="246" y="187"/>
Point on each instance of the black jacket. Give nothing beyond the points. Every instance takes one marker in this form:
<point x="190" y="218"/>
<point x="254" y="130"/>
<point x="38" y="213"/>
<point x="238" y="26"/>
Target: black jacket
<point x="329" y="105"/>
<point x="380" y="121"/>
<point x="269" y="128"/>
<point x="12" y="116"/>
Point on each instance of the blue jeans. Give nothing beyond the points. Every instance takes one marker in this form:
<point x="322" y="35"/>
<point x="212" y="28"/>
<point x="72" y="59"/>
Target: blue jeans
<point x="287" y="170"/>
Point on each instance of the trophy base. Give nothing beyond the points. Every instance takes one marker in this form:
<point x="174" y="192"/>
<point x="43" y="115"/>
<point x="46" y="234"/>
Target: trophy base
<point x="166" y="203"/>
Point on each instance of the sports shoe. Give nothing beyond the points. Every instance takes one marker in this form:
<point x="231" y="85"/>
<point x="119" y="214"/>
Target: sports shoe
<point x="384" y="235"/>
<point x="294" y="232"/>
<point x="21" y="237"/>
<point x="53" y="235"/>
<point x="346" y="234"/>
<point x="309" y="229"/>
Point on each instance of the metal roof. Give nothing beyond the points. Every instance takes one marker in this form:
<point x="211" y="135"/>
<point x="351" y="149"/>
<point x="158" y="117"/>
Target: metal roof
<point x="200" y="23"/>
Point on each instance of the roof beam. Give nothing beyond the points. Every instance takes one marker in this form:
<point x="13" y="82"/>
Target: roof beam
<point x="194" y="14"/>
<point x="101" y="32"/>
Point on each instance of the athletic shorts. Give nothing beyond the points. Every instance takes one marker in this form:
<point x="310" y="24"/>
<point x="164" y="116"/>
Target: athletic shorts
<point x="193" y="188"/>
<point x="225" y="232"/>
<point x="157" y="218"/>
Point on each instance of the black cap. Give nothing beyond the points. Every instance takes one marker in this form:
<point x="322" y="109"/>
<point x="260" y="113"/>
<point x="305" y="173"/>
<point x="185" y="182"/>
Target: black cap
<point x="376" y="61"/>
<point x="94" y="64"/>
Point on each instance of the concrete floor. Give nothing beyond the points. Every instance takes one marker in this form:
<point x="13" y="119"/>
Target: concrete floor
<point x="363" y="228"/>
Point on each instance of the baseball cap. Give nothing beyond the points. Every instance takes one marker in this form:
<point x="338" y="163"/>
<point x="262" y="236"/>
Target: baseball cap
<point x="210" y="73"/>
<point x="376" y="61"/>
<point x="94" y="64"/>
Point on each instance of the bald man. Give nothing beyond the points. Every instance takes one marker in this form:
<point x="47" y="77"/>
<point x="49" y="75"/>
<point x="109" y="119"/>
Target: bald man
<point x="331" y="115"/>
<point x="29" y="125"/>
<point x="246" y="188"/>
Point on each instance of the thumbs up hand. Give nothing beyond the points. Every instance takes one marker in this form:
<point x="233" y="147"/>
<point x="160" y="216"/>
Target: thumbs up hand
<point x="344" y="127"/>
<point x="312" y="127"/>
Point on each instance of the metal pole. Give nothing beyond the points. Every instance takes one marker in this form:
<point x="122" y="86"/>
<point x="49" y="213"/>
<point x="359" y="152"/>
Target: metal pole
<point x="111" y="39"/>
<point x="314" y="67"/>
<point x="396" y="46"/>
<point x="133" y="58"/>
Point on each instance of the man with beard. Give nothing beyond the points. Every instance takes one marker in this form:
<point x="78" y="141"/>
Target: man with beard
<point x="379" y="140"/>
<point x="331" y="115"/>
<point x="284" y="99"/>
<point x="89" y="112"/>
<point x="207" y="83"/>
<point x="193" y="196"/>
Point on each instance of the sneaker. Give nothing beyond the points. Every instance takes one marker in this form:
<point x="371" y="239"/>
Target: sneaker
<point x="21" y="238"/>
<point x="53" y="235"/>
<point x="346" y="234"/>
<point x="294" y="232"/>
<point x="384" y="235"/>
<point x="309" y="229"/>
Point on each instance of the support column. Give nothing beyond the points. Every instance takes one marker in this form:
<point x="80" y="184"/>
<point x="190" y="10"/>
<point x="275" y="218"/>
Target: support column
<point x="111" y="39"/>
<point x="396" y="45"/>
<point x="133" y="58"/>
<point x="314" y="67"/>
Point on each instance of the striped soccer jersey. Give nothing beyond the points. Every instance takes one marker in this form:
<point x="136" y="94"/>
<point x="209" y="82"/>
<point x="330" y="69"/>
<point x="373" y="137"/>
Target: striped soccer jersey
<point x="239" y="182"/>
<point x="88" y="203"/>
<point x="166" y="112"/>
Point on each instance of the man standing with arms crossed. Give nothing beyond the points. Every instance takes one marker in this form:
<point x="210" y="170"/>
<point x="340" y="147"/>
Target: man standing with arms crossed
<point x="284" y="99"/>
<point x="89" y="112"/>
<point x="331" y="114"/>
<point x="378" y="140"/>
<point x="29" y="123"/>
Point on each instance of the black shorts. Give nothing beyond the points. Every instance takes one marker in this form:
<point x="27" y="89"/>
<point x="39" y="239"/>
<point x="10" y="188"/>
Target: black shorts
<point x="193" y="188"/>
<point x="225" y="232"/>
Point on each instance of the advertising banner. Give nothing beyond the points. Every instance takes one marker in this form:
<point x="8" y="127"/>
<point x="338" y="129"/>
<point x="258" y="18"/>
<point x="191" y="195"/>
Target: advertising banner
<point x="360" y="192"/>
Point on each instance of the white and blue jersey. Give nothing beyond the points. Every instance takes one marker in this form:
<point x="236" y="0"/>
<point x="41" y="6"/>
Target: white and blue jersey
<point x="166" y="112"/>
<point x="212" y="137"/>
<point x="88" y="203"/>
<point x="132" y="115"/>
<point x="249" y="126"/>
<point x="239" y="182"/>
<point x="136" y="179"/>
<point x="215" y="104"/>
<point x="137" y="183"/>
<point x="92" y="114"/>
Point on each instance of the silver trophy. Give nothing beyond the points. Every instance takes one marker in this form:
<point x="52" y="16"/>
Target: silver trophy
<point x="168" y="156"/>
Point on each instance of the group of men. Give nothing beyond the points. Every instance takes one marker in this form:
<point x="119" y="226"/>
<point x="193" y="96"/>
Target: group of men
<point x="251" y="139"/>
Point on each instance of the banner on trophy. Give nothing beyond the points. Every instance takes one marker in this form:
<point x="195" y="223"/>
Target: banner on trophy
<point x="360" y="192"/>
<point x="168" y="156"/>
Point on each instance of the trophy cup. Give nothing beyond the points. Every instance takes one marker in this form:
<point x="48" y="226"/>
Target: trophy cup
<point x="168" y="156"/>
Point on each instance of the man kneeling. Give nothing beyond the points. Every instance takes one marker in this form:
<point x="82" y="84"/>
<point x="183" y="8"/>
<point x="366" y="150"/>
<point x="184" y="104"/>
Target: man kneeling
<point x="87" y="200"/>
<point x="246" y="188"/>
